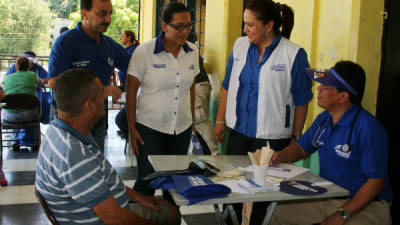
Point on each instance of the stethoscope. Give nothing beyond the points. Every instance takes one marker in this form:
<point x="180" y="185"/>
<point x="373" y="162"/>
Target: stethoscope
<point x="345" y="147"/>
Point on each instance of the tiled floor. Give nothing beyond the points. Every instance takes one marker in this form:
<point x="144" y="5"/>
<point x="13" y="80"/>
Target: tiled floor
<point x="18" y="204"/>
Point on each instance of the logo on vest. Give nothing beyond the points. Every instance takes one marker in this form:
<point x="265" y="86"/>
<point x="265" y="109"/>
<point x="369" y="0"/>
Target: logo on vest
<point x="340" y="152"/>
<point x="279" y="67"/>
<point x="110" y="62"/>
<point x="80" y="64"/>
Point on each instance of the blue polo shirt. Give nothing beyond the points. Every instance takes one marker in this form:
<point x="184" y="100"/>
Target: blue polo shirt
<point x="247" y="95"/>
<point x="75" y="49"/>
<point x="38" y="69"/>
<point x="368" y="154"/>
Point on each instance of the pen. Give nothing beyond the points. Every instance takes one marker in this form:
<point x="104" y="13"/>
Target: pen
<point x="279" y="169"/>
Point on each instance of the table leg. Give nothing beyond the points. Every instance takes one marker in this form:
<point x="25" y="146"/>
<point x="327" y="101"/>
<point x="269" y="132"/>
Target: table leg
<point x="270" y="212"/>
<point x="229" y="211"/>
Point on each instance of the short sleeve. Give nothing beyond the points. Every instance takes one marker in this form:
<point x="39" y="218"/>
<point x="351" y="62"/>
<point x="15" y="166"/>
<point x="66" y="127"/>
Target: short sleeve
<point x="301" y="84"/>
<point x="225" y="82"/>
<point x="137" y="65"/>
<point x="60" y="58"/>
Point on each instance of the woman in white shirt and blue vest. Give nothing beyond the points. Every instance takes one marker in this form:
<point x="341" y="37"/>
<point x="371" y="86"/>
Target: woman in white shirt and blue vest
<point x="265" y="93"/>
<point x="160" y="119"/>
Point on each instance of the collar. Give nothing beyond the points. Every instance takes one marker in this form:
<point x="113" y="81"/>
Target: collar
<point x="348" y="116"/>
<point x="57" y="122"/>
<point x="84" y="35"/>
<point x="273" y="44"/>
<point x="159" y="46"/>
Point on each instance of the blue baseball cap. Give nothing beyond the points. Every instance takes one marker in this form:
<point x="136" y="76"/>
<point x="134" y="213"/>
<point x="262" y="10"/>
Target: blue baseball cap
<point x="330" y="78"/>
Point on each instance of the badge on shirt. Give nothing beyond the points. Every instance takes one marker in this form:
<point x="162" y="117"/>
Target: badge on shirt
<point x="80" y="64"/>
<point x="278" y="67"/>
<point x="110" y="62"/>
<point x="159" y="66"/>
<point x="342" y="152"/>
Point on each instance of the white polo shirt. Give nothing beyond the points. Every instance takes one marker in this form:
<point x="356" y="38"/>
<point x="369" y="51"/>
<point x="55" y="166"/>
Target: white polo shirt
<point x="164" y="97"/>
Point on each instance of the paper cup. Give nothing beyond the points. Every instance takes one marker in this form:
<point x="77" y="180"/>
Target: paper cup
<point x="260" y="174"/>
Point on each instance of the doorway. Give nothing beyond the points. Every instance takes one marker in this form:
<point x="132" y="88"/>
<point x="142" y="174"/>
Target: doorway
<point x="389" y="95"/>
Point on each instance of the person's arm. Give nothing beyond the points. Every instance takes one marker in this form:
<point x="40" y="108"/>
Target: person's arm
<point x="300" y="114"/>
<point x="132" y="87"/>
<point x="111" y="213"/>
<point x="114" y="91"/>
<point x="368" y="191"/>
<point x="290" y="154"/>
<point x="220" y="120"/>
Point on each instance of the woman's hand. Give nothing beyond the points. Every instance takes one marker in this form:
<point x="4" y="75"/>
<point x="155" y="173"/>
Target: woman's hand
<point x="134" y="139"/>
<point x="220" y="132"/>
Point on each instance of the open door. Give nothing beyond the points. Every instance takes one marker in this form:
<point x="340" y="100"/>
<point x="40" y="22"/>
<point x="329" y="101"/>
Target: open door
<point x="389" y="95"/>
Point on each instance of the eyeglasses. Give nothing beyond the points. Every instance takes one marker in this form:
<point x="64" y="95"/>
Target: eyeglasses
<point x="181" y="27"/>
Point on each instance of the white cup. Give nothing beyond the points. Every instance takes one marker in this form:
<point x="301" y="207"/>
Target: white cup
<point x="260" y="174"/>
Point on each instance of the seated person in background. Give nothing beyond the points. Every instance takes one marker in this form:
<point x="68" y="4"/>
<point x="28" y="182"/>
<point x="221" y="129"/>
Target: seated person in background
<point x="353" y="153"/>
<point x="128" y="38"/>
<point x="26" y="82"/>
<point x="78" y="183"/>
<point x="34" y="67"/>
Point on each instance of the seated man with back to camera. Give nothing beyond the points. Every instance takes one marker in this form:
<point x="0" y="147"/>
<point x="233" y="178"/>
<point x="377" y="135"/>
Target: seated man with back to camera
<point x="353" y="152"/>
<point x="76" y="180"/>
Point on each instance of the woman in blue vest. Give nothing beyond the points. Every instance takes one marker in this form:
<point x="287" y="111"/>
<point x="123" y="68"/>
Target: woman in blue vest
<point x="265" y="92"/>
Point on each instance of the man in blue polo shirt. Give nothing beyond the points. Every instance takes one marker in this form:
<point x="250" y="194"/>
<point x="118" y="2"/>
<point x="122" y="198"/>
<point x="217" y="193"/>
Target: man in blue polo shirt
<point x="353" y="153"/>
<point x="87" y="47"/>
<point x="77" y="182"/>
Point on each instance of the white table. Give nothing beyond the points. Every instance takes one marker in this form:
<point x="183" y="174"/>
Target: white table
<point x="176" y="162"/>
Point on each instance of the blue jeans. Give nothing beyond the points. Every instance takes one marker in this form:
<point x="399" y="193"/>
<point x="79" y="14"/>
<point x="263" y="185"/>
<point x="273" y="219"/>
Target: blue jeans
<point x="26" y="116"/>
<point x="157" y="143"/>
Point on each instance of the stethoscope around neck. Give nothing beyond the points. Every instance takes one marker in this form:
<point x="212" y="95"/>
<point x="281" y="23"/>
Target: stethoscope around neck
<point x="345" y="147"/>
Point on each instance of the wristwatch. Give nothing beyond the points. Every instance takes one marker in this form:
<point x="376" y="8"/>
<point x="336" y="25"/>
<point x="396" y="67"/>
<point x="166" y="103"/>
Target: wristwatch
<point x="343" y="213"/>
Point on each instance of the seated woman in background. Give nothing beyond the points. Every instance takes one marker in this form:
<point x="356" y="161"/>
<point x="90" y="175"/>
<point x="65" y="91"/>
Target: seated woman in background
<point x="26" y="82"/>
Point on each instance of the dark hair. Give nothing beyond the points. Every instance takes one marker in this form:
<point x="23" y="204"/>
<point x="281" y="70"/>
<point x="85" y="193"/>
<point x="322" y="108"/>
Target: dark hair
<point x="354" y="75"/>
<point x="132" y="36"/>
<point x="170" y="9"/>
<point x="63" y="29"/>
<point x="88" y="4"/>
<point x="23" y="64"/>
<point x="30" y="53"/>
<point x="73" y="88"/>
<point x="267" y="10"/>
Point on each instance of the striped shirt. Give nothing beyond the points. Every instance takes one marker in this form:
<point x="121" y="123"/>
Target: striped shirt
<point x="73" y="175"/>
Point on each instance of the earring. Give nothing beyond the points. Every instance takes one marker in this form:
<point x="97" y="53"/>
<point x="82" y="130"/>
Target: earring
<point x="266" y="34"/>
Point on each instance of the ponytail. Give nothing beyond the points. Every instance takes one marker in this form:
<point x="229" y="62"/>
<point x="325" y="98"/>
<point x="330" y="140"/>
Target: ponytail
<point x="281" y="14"/>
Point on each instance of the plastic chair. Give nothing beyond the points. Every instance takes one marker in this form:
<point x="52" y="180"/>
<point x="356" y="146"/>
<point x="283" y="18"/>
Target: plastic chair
<point x="45" y="208"/>
<point x="21" y="102"/>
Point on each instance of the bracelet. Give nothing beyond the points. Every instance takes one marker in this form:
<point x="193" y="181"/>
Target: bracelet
<point x="219" y="122"/>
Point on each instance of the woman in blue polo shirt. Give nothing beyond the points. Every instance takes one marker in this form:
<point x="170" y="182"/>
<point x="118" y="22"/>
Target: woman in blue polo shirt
<point x="265" y="93"/>
<point x="160" y="120"/>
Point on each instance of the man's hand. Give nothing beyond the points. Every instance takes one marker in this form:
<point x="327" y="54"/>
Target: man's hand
<point x="113" y="91"/>
<point x="334" y="219"/>
<point x="135" y="137"/>
<point x="151" y="202"/>
<point x="220" y="132"/>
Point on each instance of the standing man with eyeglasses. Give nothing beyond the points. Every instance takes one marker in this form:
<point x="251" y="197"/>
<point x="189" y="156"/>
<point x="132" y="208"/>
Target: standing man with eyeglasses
<point x="164" y="69"/>
<point x="86" y="46"/>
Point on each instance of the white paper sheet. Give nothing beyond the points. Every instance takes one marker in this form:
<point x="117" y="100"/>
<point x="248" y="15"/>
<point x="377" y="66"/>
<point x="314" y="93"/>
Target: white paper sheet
<point x="284" y="170"/>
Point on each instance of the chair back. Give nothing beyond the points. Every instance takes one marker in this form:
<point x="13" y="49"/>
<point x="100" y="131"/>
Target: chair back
<point x="45" y="208"/>
<point x="21" y="101"/>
